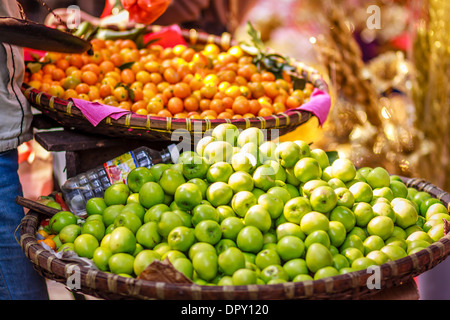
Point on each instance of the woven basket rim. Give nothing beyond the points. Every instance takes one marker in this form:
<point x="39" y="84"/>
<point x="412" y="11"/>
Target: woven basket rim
<point x="63" y="112"/>
<point x="351" y="285"/>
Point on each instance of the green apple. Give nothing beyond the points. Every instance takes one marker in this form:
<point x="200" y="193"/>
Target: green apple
<point x="151" y="193"/>
<point x="344" y="197"/>
<point x="280" y="172"/>
<point x="318" y="236"/>
<point x="218" y="151"/>
<point x="435" y="208"/>
<point x="157" y="170"/>
<point x="259" y="217"/>
<point x="201" y="184"/>
<point x="321" y="156"/>
<point x="219" y="193"/>
<point x="154" y="213"/>
<point x="405" y="214"/>
<point x="243" y="161"/>
<point x="181" y="238"/>
<point x="327" y="173"/>
<point x="121" y="263"/>
<point x="363" y="213"/>
<point x="343" y="169"/>
<point x="200" y="247"/>
<point x="111" y="212"/>
<point x="226" y="132"/>
<point x="123" y="240"/>
<point x="250" y="239"/>
<point x="219" y="171"/>
<point x="224" y="244"/>
<point x="352" y="241"/>
<point x="136" y="208"/>
<point x="325" y="272"/>
<point x="423" y="208"/>
<point x="287" y="153"/>
<point x="241" y="181"/>
<point x="147" y="235"/>
<point x="101" y="257"/>
<point x="205" y="264"/>
<point x="394" y="252"/>
<point x="345" y="216"/>
<point x="168" y="221"/>
<point x="170" y="180"/>
<point x="252" y="148"/>
<point x="363" y="263"/>
<point x="143" y="259"/>
<point x="317" y="257"/>
<point x="323" y="199"/>
<point x="272" y="203"/>
<point x="381" y="226"/>
<point x="337" y="233"/>
<point x="95" y="228"/>
<point x="336" y="183"/>
<point x="306" y="169"/>
<point x="61" y="219"/>
<point x="85" y="245"/>
<point x="291" y="178"/>
<point x="225" y="212"/>
<point x="295" y="267"/>
<point x="352" y="254"/>
<point x="274" y="272"/>
<point x="204" y="212"/>
<point x="362" y="191"/>
<point x="116" y="193"/>
<point x="251" y="134"/>
<point x="242" y="201"/>
<point x="289" y="229"/>
<point x="244" y="277"/>
<point x="128" y="220"/>
<point x="305" y="149"/>
<point x="264" y="177"/>
<point x="383" y="192"/>
<point x="310" y="185"/>
<point x="399" y="189"/>
<point x="231" y="260"/>
<point x="95" y="205"/>
<point x="69" y="233"/>
<point x="202" y="143"/>
<point x="231" y="226"/>
<point x="195" y="167"/>
<point x="378" y="256"/>
<point x="313" y="221"/>
<point x="295" y="209"/>
<point x="378" y="177"/>
<point x="384" y="209"/>
<point x="184" y="265"/>
<point x="281" y="192"/>
<point x="208" y="231"/>
<point x="340" y="261"/>
<point x="137" y="177"/>
<point x="187" y="196"/>
<point x="267" y="150"/>
<point x="293" y="191"/>
<point x="267" y="257"/>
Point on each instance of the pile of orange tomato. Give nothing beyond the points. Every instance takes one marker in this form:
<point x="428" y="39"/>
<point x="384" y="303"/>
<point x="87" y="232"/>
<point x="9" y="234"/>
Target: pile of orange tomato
<point x="178" y="82"/>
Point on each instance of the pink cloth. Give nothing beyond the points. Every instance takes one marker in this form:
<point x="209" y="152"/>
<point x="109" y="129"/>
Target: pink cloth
<point x="96" y="112"/>
<point x="319" y="105"/>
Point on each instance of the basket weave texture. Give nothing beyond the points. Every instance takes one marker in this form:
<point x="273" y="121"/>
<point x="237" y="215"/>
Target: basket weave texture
<point x="161" y="128"/>
<point x="352" y="285"/>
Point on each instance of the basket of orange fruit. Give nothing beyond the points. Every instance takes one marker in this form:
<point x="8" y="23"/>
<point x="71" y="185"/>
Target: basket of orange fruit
<point x="127" y="87"/>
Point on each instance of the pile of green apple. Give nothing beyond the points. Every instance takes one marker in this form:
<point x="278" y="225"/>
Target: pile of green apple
<point x="243" y="210"/>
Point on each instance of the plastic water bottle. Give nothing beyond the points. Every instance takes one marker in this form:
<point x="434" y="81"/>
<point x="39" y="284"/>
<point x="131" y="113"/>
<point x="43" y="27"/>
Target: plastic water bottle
<point x="79" y="189"/>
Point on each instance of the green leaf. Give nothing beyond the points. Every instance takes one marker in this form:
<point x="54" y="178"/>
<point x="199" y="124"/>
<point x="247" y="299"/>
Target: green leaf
<point x="332" y="156"/>
<point x="126" y="65"/>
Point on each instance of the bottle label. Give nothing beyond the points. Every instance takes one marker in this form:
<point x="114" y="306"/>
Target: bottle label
<point x="118" y="168"/>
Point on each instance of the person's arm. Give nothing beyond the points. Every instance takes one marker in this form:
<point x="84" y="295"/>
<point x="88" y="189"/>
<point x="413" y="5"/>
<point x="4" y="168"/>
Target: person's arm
<point x="180" y="11"/>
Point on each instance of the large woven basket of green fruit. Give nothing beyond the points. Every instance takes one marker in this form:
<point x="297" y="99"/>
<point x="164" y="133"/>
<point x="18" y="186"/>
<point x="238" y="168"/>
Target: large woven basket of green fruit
<point x="287" y="222"/>
<point x="149" y="82"/>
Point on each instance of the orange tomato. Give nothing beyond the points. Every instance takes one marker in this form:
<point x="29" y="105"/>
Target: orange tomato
<point x="127" y="76"/>
<point x="175" y="105"/>
<point x="191" y="103"/>
<point x="89" y="77"/>
<point x="241" y="106"/>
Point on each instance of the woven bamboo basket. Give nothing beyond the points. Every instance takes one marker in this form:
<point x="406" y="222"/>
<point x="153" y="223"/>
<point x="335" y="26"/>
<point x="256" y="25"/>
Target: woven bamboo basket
<point x="352" y="285"/>
<point x="161" y="128"/>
